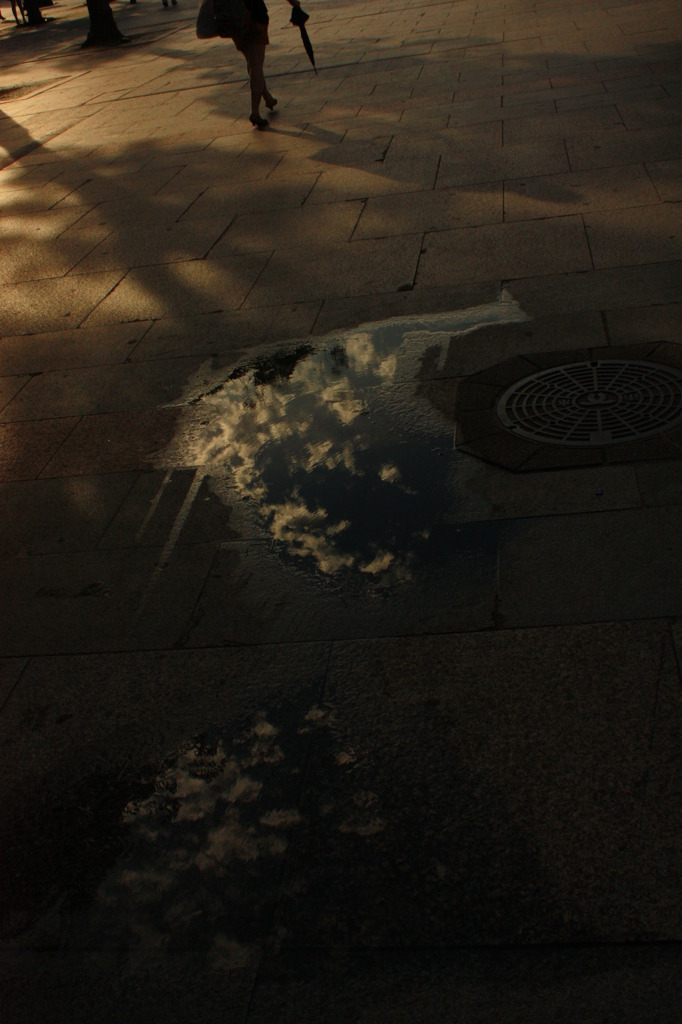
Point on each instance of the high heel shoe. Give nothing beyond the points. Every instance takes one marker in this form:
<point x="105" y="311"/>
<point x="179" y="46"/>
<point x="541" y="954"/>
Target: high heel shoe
<point x="257" y="121"/>
<point x="271" y="103"/>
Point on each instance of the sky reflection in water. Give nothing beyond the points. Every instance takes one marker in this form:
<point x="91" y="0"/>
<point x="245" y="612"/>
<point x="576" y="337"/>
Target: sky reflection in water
<point x="343" y="447"/>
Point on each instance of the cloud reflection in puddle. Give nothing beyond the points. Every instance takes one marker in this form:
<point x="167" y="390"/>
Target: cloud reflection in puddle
<point x="340" y="447"/>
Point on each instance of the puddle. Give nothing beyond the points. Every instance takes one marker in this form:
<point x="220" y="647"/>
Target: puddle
<point x="194" y="857"/>
<point x="343" y="448"/>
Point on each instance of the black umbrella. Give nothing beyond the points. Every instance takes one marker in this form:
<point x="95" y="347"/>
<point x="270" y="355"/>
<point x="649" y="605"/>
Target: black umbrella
<point x="299" y="18"/>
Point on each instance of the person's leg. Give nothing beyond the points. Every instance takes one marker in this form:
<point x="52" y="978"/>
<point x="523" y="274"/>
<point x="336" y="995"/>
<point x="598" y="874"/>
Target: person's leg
<point x="255" y="59"/>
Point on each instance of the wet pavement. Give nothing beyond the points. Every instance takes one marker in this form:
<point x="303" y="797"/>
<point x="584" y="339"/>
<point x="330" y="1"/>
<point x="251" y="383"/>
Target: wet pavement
<point x="340" y="518"/>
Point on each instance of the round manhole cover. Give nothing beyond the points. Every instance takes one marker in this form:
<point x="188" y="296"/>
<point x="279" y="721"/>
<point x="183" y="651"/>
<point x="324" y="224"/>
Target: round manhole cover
<point x="594" y="403"/>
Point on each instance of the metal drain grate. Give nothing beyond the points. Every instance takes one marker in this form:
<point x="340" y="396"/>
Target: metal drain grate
<point x="595" y="403"/>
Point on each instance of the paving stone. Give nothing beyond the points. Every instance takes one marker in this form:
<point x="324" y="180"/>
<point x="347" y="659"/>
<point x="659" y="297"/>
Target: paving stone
<point x="519" y="986"/>
<point x="71" y="988"/>
<point x="145" y="246"/>
<point x="509" y="162"/>
<point x="648" y="234"/>
<point x="61" y="350"/>
<point x="358" y="268"/>
<point x="550" y="195"/>
<point x="309" y="228"/>
<point x="518" y="817"/>
<point x="53" y="304"/>
<point x="430" y="211"/>
<point x="623" y="147"/>
<point x="27" y="447"/>
<point x="660" y="483"/>
<point x="231" y="334"/>
<point x="660" y="322"/>
<point x="600" y="289"/>
<point x="105" y="600"/>
<point x="342" y="313"/>
<point x="565" y="126"/>
<point x="666" y="176"/>
<point x="616" y="564"/>
<point x="9" y="388"/>
<point x="93" y="390"/>
<point x="500" y="251"/>
<point x="195" y="286"/>
<point x="41" y="516"/>
<point x="116" y="442"/>
<point x="10" y="674"/>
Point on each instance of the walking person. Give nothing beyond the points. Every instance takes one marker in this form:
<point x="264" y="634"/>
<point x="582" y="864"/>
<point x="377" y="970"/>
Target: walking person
<point x="252" y="42"/>
<point x="19" y="3"/>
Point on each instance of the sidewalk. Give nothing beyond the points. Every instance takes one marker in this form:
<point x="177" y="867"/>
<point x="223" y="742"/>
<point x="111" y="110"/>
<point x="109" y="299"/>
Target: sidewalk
<point x="341" y="517"/>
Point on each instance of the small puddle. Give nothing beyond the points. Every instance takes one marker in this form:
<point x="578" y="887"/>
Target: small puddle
<point x="344" y="447"/>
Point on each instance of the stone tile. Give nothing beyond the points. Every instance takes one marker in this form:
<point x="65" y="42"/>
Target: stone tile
<point x="482" y="492"/>
<point x="551" y="195"/>
<point x="564" y="126"/>
<point x="472" y="112"/>
<point x="504" y="250"/>
<point x="179" y="985"/>
<point x="453" y="802"/>
<point x="9" y="388"/>
<point x="231" y="335"/>
<point x="150" y="246"/>
<point x="588" y="152"/>
<point x="600" y="289"/>
<point x="62" y="350"/>
<point x="39" y="227"/>
<point x="495" y="343"/>
<point x="188" y="288"/>
<point x="505" y="985"/>
<point x="26" y="448"/>
<point x="357" y="152"/>
<point x="358" y="268"/>
<point x="338" y="314"/>
<point x="54" y="304"/>
<point x="430" y="211"/>
<point x="511" y="161"/>
<point x="221" y="202"/>
<point x="342" y="184"/>
<point x="660" y="483"/>
<point x="193" y="508"/>
<point x="643" y="112"/>
<point x="36" y="262"/>
<point x="119" y="442"/>
<point x="42" y="516"/>
<point x="612" y="566"/>
<point x="519" y="106"/>
<point x="107" y="184"/>
<point x="32" y="200"/>
<point x="89" y="391"/>
<point x="100" y="601"/>
<point x="667" y="177"/>
<point x="10" y="674"/>
<point x="647" y="234"/>
<point x="677" y="637"/>
<point x="307" y="228"/>
<point x="138" y="214"/>
<point x="661" y="322"/>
